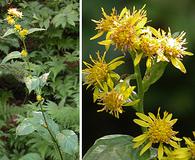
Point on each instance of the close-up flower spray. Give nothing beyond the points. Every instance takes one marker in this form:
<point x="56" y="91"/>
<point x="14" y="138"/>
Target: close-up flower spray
<point x="129" y="32"/>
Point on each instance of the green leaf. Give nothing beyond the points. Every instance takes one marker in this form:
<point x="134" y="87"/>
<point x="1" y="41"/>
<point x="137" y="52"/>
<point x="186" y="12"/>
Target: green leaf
<point x="153" y="74"/>
<point x="35" y="30"/>
<point x="12" y="55"/>
<point x="31" y="156"/>
<point x="25" y="128"/>
<point x="32" y="83"/>
<point x="115" y="147"/>
<point x="9" y="32"/>
<point x="68" y="141"/>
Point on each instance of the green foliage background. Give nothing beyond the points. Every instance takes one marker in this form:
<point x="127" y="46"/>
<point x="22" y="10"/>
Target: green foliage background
<point x="174" y="92"/>
<point x="55" y="50"/>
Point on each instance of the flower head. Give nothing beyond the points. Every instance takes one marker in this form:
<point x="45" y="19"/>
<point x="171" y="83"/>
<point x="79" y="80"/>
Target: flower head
<point x="106" y="23"/>
<point x="15" y="13"/>
<point x="172" y="48"/>
<point x="183" y="153"/>
<point x="100" y="71"/>
<point x="10" y="20"/>
<point x="124" y="30"/>
<point x="39" y="98"/>
<point x="17" y="27"/>
<point x="114" y="100"/>
<point x="23" y="33"/>
<point x="159" y="130"/>
<point x="24" y="53"/>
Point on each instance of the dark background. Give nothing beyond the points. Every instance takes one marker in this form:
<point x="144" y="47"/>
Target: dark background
<point x="174" y="92"/>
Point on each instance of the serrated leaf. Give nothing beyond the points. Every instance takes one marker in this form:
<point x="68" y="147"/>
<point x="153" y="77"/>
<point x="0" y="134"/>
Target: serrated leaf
<point x="68" y="141"/>
<point x="153" y="74"/>
<point x="25" y="128"/>
<point x="32" y="30"/>
<point x="114" y="147"/>
<point x="8" y="32"/>
<point x="31" y="156"/>
<point x="12" y="55"/>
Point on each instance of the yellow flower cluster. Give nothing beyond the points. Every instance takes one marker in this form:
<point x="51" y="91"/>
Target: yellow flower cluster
<point x="12" y="14"/>
<point x="128" y="32"/>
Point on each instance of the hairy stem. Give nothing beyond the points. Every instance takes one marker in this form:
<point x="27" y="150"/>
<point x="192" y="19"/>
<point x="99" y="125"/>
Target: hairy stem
<point x="50" y="132"/>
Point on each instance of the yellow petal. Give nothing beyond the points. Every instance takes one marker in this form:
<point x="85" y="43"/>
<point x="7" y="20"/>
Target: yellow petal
<point x="140" y="138"/>
<point x="188" y="141"/>
<point x="141" y="23"/>
<point x="146" y="147"/>
<point x="168" y="118"/>
<point x="141" y="123"/>
<point x="149" y="63"/>
<point x="176" y="139"/>
<point x="137" y="59"/>
<point x="187" y="53"/>
<point x="105" y="42"/>
<point x="97" y="35"/>
<point x="152" y="115"/>
<point x="115" y="65"/>
<point x="173" y="144"/>
<point x="178" y="64"/>
<point x="160" y="151"/>
<point x="132" y="103"/>
<point x="144" y="117"/>
<point x="104" y="13"/>
<point x="123" y="12"/>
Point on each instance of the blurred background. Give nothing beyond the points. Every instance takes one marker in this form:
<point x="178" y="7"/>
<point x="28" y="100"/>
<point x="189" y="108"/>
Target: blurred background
<point x="174" y="92"/>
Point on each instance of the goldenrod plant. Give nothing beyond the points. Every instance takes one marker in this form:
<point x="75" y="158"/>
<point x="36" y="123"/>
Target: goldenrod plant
<point x="129" y="32"/>
<point x="44" y="66"/>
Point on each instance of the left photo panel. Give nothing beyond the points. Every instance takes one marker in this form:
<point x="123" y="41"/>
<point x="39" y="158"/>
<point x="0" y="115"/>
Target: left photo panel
<point x="39" y="80"/>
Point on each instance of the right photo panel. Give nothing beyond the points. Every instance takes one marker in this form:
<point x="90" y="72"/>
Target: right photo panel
<point x="138" y="100"/>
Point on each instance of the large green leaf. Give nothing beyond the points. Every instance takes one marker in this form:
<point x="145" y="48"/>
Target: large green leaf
<point x="31" y="156"/>
<point x="8" y="32"/>
<point x="68" y="141"/>
<point x="32" y="30"/>
<point x="25" y="128"/>
<point x="153" y="74"/>
<point x="12" y="55"/>
<point x="115" y="147"/>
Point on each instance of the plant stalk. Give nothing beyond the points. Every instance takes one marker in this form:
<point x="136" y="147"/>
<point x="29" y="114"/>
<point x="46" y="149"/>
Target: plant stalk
<point x="50" y="132"/>
<point x="138" y="77"/>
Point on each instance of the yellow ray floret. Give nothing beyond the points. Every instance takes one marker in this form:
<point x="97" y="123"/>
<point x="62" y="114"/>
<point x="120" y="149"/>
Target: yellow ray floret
<point x="159" y="131"/>
<point x="115" y="99"/>
<point x="100" y="71"/>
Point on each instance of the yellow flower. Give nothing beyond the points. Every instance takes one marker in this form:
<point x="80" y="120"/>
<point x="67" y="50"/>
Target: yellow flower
<point x="184" y="153"/>
<point x="114" y="100"/>
<point x="159" y="130"/>
<point x="39" y="98"/>
<point x="106" y="23"/>
<point x="150" y="47"/>
<point x="173" y="49"/>
<point x="10" y="20"/>
<point x="24" y="53"/>
<point x="126" y="31"/>
<point x="23" y="33"/>
<point x="18" y="27"/>
<point x="14" y="12"/>
<point x="99" y="72"/>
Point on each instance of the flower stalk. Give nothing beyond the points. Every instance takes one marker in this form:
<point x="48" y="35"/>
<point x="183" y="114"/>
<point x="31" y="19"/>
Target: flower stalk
<point x="50" y="132"/>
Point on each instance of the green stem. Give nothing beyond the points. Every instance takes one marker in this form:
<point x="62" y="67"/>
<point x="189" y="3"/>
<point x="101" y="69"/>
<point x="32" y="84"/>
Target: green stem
<point x="50" y="132"/>
<point x="138" y="77"/>
<point x="27" y="60"/>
